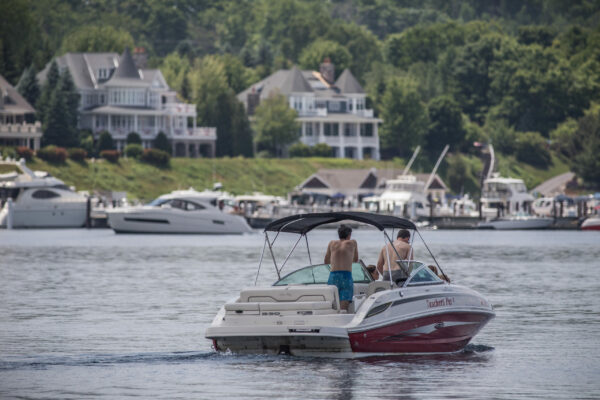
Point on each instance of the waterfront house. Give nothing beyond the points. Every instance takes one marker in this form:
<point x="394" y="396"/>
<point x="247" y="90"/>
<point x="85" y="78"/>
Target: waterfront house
<point x="14" y="128"/>
<point x="119" y="96"/>
<point x="329" y="111"/>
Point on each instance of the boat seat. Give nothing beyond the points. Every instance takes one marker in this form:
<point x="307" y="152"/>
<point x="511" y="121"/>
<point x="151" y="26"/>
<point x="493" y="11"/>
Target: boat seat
<point x="377" y="286"/>
<point x="296" y="306"/>
<point x="241" y="307"/>
<point x="294" y="294"/>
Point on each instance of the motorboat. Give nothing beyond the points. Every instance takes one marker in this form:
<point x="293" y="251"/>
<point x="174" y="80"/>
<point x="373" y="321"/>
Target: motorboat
<point x="301" y="315"/>
<point x="36" y="199"/>
<point x="518" y="221"/>
<point x="181" y="211"/>
<point x="404" y="196"/>
<point x="504" y="196"/>
<point x="591" y="223"/>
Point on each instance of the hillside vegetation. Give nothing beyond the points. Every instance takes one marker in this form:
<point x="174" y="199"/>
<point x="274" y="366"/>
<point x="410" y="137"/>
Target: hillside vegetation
<point x="243" y="175"/>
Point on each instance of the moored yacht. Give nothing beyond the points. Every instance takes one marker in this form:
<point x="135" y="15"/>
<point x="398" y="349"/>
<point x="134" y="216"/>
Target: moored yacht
<point x="301" y="315"/>
<point x="181" y="211"/>
<point x="38" y="200"/>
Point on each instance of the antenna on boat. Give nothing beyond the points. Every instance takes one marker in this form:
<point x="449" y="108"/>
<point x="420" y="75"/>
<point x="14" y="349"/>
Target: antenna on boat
<point x="437" y="164"/>
<point x="410" y="162"/>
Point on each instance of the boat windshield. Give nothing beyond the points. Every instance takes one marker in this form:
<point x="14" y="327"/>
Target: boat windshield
<point x="422" y="275"/>
<point x="319" y="274"/>
<point x="157" y="202"/>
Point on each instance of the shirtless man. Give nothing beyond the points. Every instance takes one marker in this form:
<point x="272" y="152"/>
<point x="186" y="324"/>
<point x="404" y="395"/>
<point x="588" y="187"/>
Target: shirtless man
<point x="402" y="246"/>
<point x="341" y="254"/>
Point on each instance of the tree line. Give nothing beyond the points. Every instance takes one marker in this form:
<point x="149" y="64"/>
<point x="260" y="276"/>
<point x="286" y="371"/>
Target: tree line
<point x="524" y="75"/>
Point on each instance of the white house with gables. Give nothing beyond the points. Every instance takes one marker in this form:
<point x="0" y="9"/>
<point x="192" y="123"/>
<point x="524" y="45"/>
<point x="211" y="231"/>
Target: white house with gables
<point x="14" y="128"/>
<point x="119" y="97"/>
<point x="329" y="111"/>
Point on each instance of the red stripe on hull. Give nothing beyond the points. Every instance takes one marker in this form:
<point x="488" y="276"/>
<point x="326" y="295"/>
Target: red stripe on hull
<point x="442" y="333"/>
<point x="591" y="228"/>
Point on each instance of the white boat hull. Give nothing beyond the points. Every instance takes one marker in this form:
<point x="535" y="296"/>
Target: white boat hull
<point x="517" y="223"/>
<point x="156" y="220"/>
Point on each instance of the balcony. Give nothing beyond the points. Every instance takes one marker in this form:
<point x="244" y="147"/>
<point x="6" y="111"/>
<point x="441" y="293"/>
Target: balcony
<point x="198" y="133"/>
<point x="21" y="129"/>
<point x="317" y="112"/>
<point x="181" y="109"/>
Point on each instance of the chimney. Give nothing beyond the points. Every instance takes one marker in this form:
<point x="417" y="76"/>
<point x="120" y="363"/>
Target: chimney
<point x="140" y="57"/>
<point x="252" y="101"/>
<point x="327" y="70"/>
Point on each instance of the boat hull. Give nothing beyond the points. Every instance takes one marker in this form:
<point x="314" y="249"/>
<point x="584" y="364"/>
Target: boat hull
<point x="517" y="223"/>
<point x="591" y="224"/>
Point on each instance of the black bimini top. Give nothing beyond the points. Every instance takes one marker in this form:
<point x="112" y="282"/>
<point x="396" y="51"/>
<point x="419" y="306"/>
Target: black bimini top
<point x="304" y="223"/>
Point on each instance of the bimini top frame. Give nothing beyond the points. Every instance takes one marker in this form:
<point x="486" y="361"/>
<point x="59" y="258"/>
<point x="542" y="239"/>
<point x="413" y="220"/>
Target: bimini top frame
<point x="303" y="223"/>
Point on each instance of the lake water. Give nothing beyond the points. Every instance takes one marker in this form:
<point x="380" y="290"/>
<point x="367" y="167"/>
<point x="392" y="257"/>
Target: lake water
<point x="91" y="314"/>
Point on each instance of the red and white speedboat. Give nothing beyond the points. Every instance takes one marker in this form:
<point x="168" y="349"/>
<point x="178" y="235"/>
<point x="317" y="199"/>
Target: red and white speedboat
<point x="300" y="314"/>
<point x="591" y="223"/>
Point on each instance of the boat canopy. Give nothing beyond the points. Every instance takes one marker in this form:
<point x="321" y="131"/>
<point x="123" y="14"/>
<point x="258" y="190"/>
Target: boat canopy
<point x="304" y="223"/>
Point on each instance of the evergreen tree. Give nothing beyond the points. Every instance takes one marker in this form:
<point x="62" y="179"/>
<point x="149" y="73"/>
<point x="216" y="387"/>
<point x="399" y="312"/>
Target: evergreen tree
<point x="185" y="87"/>
<point x="60" y="126"/>
<point x="162" y="143"/>
<point x="28" y="86"/>
<point x="105" y="142"/>
<point x="275" y="125"/>
<point x="43" y="102"/>
<point x="66" y="87"/>
<point x="133" y="138"/>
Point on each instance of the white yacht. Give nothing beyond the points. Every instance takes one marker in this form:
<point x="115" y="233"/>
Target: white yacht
<point x="404" y="195"/>
<point x="504" y="196"/>
<point x="38" y="200"/>
<point x="181" y="211"/>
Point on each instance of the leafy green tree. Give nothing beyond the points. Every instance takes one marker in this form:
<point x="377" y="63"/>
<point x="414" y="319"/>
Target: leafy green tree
<point x="28" y="86"/>
<point x="321" y="150"/>
<point x="161" y="142"/>
<point x="359" y="41"/>
<point x="217" y="106"/>
<point x="105" y="142"/>
<point x="133" y="138"/>
<point x="446" y="125"/>
<point x="299" y="149"/>
<point x="93" y="39"/>
<point x="175" y="68"/>
<point x="542" y="35"/>
<point x="19" y="38"/>
<point x="405" y="119"/>
<point x="532" y="148"/>
<point x="275" y="125"/>
<point x="313" y="55"/>
<point x="587" y="163"/>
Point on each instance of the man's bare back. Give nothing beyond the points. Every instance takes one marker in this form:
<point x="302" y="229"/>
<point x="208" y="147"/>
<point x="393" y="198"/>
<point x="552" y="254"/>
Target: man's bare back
<point x="341" y="254"/>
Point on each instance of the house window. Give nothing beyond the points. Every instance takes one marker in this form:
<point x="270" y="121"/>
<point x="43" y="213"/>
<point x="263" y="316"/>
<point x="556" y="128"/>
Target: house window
<point x="331" y="129"/>
<point x="308" y="129"/>
<point x="366" y="130"/>
<point x="334" y="106"/>
<point x="349" y="129"/>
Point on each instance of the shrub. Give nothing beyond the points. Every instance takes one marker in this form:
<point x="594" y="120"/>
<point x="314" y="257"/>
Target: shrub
<point x="24" y="152"/>
<point x="7" y="152"/>
<point x="134" y="150"/>
<point x="156" y="157"/>
<point x="321" y="150"/>
<point x="110" y="155"/>
<point x="161" y="142"/>
<point x="77" y="154"/>
<point x="105" y="142"/>
<point x="53" y="154"/>
<point x="133" y="138"/>
<point x="299" y="150"/>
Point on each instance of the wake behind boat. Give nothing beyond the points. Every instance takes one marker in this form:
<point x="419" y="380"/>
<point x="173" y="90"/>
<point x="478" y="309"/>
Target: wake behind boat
<point x="301" y="315"/>
<point x="181" y="211"/>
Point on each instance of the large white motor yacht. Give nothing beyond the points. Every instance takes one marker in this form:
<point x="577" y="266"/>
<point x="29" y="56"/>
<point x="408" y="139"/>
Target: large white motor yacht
<point x="504" y="196"/>
<point x="39" y="200"/>
<point x="301" y="315"/>
<point x="181" y="211"/>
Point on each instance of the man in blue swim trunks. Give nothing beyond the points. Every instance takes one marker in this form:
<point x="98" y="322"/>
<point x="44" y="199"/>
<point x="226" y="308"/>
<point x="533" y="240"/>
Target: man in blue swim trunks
<point x="341" y="254"/>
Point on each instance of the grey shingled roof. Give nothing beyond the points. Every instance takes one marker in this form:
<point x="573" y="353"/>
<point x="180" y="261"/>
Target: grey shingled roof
<point x="15" y="104"/>
<point x="337" y="178"/>
<point x="126" y="68"/>
<point x="347" y="83"/>
<point x="82" y="67"/>
<point x="295" y="83"/>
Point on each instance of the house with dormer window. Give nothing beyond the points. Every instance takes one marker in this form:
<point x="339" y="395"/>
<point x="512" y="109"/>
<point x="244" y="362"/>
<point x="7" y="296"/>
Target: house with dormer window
<point x="119" y="96"/>
<point x="329" y="111"/>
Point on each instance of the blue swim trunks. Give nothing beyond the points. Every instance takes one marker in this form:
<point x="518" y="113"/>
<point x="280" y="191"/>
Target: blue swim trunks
<point x="343" y="281"/>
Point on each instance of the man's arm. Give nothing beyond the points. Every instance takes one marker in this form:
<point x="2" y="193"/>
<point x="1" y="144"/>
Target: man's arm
<point x="355" y="258"/>
<point x="328" y="255"/>
<point x="380" y="262"/>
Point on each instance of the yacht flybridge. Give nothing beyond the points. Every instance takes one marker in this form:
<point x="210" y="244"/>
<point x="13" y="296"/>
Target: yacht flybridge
<point x="300" y="314"/>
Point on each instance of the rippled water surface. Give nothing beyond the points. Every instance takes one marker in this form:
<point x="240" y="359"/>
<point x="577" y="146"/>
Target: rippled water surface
<point x="93" y="314"/>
